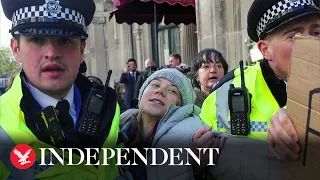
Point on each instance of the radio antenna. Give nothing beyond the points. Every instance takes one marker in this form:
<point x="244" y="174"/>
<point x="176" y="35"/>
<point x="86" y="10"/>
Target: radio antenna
<point x="243" y="85"/>
<point x="108" y="78"/>
<point x="106" y="85"/>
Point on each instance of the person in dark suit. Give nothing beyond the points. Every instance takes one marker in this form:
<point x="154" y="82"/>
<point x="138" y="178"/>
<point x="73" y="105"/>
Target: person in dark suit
<point x="150" y="67"/>
<point x="129" y="78"/>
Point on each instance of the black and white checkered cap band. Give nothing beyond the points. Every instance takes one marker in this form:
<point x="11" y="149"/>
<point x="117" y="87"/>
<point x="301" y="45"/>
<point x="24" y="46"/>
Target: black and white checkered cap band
<point x="278" y="10"/>
<point x="40" y="14"/>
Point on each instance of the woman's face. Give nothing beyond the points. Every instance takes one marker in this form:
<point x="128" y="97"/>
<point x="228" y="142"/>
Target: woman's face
<point x="158" y="96"/>
<point x="209" y="74"/>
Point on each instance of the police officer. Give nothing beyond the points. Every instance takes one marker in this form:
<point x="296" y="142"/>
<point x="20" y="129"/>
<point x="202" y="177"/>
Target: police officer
<point x="49" y="41"/>
<point x="273" y="25"/>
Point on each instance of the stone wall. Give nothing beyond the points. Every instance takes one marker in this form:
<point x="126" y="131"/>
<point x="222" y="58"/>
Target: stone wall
<point x="110" y="45"/>
<point x="221" y="24"/>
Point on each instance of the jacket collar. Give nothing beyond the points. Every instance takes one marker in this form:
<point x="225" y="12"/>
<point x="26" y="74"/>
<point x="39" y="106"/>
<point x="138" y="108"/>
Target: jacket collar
<point x="197" y="90"/>
<point x="45" y="100"/>
<point x="277" y="86"/>
<point x="173" y="116"/>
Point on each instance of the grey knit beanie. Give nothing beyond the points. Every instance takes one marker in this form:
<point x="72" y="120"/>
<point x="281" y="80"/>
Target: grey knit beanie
<point x="177" y="78"/>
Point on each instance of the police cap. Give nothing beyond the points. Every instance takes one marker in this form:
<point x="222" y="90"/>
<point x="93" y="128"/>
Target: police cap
<point x="49" y="17"/>
<point x="266" y="15"/>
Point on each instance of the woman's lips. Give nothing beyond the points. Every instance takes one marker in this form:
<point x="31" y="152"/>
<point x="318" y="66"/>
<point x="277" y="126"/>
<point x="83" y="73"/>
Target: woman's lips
<point x="157" y="101"/>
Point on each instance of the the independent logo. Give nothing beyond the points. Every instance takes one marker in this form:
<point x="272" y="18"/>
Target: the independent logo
<point x="22" y="156"/>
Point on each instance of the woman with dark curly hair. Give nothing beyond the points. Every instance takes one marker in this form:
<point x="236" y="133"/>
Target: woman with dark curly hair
<point x="207" y="68"/>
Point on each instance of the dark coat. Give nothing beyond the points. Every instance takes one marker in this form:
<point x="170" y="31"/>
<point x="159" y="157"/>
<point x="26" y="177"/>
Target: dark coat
<point x="200" y="97"/>
<point x="129" y="81"/>
<point x="143" y="76"/>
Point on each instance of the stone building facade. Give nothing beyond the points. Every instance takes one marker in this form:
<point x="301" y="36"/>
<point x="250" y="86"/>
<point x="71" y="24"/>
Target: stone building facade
<point x="221" y="24"/>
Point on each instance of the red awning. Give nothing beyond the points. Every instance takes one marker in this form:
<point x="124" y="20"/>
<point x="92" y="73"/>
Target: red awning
<point x="142" y="11"/>
<point x="173" y="2"/>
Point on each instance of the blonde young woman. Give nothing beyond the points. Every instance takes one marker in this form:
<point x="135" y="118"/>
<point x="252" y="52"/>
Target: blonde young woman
<point x="166" y="118"/>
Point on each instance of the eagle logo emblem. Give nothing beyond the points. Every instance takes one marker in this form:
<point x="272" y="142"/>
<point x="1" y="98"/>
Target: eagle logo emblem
<point x="23" y="159"/>
<point x="22" y="156"/>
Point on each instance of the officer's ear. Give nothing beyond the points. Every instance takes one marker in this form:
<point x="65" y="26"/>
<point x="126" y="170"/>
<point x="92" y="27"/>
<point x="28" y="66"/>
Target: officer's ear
<point x="83" y="46"/>
<point x="14" y="44"/>
<point x="264" y="47"/>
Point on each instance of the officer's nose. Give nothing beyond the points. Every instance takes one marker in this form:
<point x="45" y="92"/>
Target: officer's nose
<point x="52" y="50"/>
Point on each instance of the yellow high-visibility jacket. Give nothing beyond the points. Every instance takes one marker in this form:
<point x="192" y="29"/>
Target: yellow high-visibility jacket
<point x="14" y="131"/>
<point x="215" y="109"/>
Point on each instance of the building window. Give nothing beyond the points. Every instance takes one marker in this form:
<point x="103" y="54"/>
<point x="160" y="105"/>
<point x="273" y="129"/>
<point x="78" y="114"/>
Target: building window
<point x="168" y="42"/>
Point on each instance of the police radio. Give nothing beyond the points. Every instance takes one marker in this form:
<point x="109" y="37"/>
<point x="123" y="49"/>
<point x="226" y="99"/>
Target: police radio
<point x="90" y="117"/>
<point x="239" y="100"/>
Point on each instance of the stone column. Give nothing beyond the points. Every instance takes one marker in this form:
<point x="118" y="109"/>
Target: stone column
<point x="246" y="41"/>
<point x="234" y="33"/>
<point x="98" y="48"/>
<point x="139" y="46"/>
<point x="188" y="43"/>
<point x="125" y="42"/>
<point x="211" y="24"/>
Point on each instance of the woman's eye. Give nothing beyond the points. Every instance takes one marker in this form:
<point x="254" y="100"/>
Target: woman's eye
<point x="172" y="91"/>
<point x="219" y="66"/>
<point x="154" y="85"/>
<point x="205" y="66"/>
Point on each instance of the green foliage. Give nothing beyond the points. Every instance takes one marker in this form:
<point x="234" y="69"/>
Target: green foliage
<point x="8" y="66"/>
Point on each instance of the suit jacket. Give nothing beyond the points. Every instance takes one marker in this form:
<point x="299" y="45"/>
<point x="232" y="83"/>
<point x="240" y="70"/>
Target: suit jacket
<point x="129" y="81"/>
<point x="143" y="76"/>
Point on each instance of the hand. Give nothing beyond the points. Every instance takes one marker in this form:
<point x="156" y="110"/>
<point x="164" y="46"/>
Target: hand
<point x="127" y="69"/>
<point x="282" y="133"/>
<point x="203" y="138"/>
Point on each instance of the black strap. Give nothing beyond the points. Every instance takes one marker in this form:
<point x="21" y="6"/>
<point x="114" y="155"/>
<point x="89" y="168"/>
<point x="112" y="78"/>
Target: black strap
<point x="66" y="120"/>
<point x="32" y="113"/>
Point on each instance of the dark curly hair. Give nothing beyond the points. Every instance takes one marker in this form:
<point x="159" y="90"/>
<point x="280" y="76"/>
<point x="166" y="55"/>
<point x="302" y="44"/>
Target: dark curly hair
<point x="205" y="56"/>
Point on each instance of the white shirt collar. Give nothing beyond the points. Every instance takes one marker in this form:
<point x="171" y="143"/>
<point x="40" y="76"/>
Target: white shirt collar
<point x="44" y="100"/>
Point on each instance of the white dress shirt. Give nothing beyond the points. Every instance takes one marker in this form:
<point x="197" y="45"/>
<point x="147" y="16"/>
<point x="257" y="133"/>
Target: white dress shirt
<point x="44" y="100"/>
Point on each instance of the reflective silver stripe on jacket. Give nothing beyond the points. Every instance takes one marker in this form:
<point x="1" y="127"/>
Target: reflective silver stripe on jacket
<point x="222" y="107"/>
<point x="255" y="126"/>
<point x="6" y="145"/>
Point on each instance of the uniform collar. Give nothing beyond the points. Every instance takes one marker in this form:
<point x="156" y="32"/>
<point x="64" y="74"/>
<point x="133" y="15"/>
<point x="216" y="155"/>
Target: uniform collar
<point x="277" y="86"/>
<point x="44" y="100"/>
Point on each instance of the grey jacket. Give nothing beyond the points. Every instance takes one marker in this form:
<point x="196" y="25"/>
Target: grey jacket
<point x="240" y="158"/>
<point x="246" y="159"/>
<point x="175" y="130"/>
